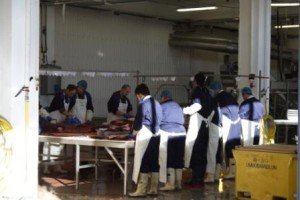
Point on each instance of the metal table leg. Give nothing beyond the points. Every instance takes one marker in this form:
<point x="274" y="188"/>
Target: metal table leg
<point x="77" y="164"/>
<point x="125" y="169"/>
<point x="96" y="163"/>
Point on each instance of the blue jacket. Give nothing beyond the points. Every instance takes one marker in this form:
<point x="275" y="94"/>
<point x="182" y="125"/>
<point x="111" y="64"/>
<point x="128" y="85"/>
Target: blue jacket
<point x="173" y="119"/>
<point x="202" y="96"/>
<point x="149" y="114"/>
<point x="251" y="109"/>
<point x="58" y="102"/>
<point x="114" y="101"/>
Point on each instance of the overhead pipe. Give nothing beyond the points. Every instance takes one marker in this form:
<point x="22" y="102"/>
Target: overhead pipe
<point x="203" y="38"/>
<point x="219" y="47"/>
<point x="204" y="45"/>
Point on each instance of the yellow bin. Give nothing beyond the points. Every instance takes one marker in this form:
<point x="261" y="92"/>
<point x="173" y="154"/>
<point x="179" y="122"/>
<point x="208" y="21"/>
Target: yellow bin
<point x="266" y="172"/>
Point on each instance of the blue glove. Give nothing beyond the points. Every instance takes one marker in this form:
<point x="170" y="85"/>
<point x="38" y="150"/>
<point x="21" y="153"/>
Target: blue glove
<point x="72" y="121"/>
<point x="126" y="116"/>
<point x="49" y="119"/>
<point x="132" y="136"/>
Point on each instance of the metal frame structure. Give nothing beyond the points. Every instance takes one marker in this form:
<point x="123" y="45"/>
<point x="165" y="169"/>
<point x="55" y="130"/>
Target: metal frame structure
<point x="85" y="141"/>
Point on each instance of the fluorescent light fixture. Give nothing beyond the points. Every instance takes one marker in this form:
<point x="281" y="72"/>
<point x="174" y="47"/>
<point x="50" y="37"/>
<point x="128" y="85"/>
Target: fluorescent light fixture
<point x="288" y="26"/>
<point x="284" y="4"/>
<point x="197" y="9"/>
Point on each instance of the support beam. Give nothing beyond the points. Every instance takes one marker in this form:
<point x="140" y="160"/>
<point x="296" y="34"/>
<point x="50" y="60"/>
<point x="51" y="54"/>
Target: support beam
<point x="255" y="44"/>
<point x="19" y="60"/>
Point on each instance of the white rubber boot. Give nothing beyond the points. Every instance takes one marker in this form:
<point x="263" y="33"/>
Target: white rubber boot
<point x="170" y="185"/>
<point x="178" y="175"/>
<point x="153" y="184"/>
<point x="210" y="178"/>
<point x="141" y="190"/>
<point x="218" y="172"/>
<point x="231" y="173"/>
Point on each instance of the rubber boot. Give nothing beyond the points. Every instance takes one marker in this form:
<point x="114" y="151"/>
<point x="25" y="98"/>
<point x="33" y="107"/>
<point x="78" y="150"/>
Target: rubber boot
<point x="231" y="173"/>
<point x="170" y="185"/>
<point x="218" y="172"/>
<point x="210" y="178"/>
<point x="141" y="190"/>
<point x="178" y="175"/>
<point x="153" y="184"/>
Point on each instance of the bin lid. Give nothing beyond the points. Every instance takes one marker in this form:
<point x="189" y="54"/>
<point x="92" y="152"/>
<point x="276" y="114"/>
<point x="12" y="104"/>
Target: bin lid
<point x="272" y="148"/>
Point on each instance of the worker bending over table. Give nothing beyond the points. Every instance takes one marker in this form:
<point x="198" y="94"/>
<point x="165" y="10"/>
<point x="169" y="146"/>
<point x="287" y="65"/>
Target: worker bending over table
<point x="119" y="106"/>
<point x="82" y="105"/>
<point x="172" y="143"/>
<point x="146" y="127"/>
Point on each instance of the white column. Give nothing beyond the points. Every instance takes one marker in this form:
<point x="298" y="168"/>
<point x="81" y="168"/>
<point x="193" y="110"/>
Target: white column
<point x="19" y="47"/>
<point x="255" y="44"/>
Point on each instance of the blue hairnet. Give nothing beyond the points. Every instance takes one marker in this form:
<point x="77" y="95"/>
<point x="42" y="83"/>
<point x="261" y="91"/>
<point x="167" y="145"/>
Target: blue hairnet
<point x="246" y="90"/>
<point x="82" y="84"/>
<point x="216" y="85"/>
<point x="166" y="93"/>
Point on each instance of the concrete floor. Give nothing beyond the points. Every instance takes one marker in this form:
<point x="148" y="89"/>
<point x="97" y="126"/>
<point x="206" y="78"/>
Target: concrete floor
<point x="110" y="186"/>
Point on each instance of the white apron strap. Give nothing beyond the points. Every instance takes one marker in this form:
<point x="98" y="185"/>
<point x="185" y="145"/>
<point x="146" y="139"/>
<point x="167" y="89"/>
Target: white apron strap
<point x="192" y="133"/>
<point x="248" y="129"/>
<point x="142" y="140"/>
<point x="163" y="153"/>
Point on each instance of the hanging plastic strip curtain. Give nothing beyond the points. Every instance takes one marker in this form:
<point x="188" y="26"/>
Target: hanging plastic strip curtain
<point x="89" y="74"/>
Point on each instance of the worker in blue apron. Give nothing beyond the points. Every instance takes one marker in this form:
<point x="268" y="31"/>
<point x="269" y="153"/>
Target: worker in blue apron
<point x="251" y="112"/>
<point x="231" y="126"/>
<point x="172" y="143"/>
<point x="146" y="127"/>
<point x="119" y="106"/>
<point x="82" y="106"/>
<point x="197" y="135"/>
<point x="214" y="149"/>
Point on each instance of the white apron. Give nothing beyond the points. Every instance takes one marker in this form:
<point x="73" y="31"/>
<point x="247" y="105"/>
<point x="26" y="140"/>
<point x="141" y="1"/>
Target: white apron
<point x="55" y="148"/>
<point x="122" y="108"/>
<point x="79" y="109"/>
<point x="143" y="137"/>
<point x="213" y="142"/>
<point x="163" y="153"/>
<point x="226" y="124"/>
<point x="58" y="116"/>
<point x="248" y="130"/>
<point x="194" y="125"/>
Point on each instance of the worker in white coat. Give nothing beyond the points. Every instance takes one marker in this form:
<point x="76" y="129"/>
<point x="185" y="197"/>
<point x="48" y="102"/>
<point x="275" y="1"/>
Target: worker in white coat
<point x="146" y="127"/>
<point x="119" y="106"/>
<point x="196" y="143"/>
<point x="251" y="112"/>
<point x="230" y="127"/>
<point x="172" y="143"/>
<point x="82" y="105"/>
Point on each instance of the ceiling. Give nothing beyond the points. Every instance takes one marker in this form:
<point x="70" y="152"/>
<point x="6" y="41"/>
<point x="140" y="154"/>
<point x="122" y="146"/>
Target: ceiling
<point x="225" y="17"/>
<point x="166" y="9"/>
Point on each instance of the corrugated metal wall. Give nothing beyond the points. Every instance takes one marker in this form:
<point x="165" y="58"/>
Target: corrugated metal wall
<point x="94" y="40"/>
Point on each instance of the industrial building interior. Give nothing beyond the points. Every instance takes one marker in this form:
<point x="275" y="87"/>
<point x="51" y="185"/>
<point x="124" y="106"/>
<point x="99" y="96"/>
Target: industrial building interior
<point x="109" y="43"/>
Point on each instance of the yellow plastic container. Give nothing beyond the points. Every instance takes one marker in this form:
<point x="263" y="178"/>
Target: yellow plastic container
<point x="266" y="172"/>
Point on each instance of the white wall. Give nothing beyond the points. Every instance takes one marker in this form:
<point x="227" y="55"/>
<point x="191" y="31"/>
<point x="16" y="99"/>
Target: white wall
<point x="19" y="47"/>
<point x="94" y="40"/>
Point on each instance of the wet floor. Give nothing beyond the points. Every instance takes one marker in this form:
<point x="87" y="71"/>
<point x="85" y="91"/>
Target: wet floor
<point x="110" y="186"/>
